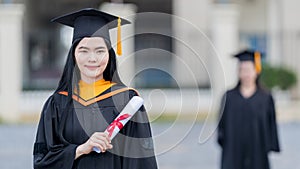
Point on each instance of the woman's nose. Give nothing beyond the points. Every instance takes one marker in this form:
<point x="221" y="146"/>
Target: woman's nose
<point x="92" y="57"/>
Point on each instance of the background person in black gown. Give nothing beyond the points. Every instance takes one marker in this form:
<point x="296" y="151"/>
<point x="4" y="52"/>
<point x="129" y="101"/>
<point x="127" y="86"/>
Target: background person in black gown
<point x="247" y="130"/>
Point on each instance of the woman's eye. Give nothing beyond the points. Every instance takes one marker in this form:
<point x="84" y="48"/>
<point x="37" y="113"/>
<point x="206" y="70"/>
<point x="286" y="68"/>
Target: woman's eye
<point x="83" y="51"/>
<point x="100" y="51"/>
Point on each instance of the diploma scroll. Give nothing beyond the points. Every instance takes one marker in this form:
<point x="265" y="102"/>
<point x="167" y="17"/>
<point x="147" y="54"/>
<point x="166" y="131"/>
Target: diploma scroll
<point x="126" y="114"/>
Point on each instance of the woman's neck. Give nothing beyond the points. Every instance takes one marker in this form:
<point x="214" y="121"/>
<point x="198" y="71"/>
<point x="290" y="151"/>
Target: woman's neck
<point x="248" y="90"/>
<point x="89" y="80"/>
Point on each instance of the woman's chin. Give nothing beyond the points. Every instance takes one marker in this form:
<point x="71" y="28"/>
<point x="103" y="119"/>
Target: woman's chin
<point x="248" y="82"/>
<point x="94" y="75"/>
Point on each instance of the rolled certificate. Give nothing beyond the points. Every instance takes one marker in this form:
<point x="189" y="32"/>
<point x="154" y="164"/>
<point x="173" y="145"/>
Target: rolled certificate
<point x="126" y="114"/>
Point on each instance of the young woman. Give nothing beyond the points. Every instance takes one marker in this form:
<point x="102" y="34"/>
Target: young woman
<point x="247" y="130"/>
<point x="89" y="97"/>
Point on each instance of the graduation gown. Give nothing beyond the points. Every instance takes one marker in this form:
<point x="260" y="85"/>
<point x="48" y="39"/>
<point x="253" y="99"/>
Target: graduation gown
<point x="247" y="130"/>
<point x="61" y="130"/>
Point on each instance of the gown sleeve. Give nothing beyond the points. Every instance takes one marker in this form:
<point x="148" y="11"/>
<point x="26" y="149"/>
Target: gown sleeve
<point x="138" y="148"/>
<point x="49" y="152"/>
<point x="221" y="125"/>
<point x="273" y="144"/>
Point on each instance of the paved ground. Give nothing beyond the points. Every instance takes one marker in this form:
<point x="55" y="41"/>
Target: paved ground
<point x="176" y="145"/>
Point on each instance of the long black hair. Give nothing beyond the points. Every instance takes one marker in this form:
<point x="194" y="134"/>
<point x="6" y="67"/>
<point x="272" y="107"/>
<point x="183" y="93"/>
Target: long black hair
<point x="71" y="76"/>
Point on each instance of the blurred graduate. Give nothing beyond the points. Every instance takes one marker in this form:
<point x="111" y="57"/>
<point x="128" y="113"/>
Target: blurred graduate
<point x="247" y="130"/>
<point x="89" y="97"/>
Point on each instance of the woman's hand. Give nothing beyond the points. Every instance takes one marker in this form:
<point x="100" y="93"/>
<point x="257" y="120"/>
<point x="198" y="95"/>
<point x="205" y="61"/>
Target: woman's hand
<point x="99" y="140"/>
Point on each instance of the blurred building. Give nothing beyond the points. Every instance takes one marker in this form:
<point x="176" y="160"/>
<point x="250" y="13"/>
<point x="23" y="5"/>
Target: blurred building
<point x="186" y="44"/>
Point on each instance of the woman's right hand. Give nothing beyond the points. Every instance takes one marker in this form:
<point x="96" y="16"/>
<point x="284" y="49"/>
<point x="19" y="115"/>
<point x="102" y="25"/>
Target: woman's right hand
<point x="99" y="140"/>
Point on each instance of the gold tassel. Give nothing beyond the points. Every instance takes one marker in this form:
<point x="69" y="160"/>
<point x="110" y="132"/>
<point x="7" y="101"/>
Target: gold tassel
<point x="257" y="61"/>
<point x="119" y="45"/>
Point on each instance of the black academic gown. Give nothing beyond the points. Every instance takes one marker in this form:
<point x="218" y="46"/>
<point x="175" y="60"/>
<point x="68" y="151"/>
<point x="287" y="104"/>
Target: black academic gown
<point x="247" y="130"/>
<point x="60" y="132"/>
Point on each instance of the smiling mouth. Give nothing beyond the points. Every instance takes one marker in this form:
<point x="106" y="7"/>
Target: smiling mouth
<point x="92" y="67"/>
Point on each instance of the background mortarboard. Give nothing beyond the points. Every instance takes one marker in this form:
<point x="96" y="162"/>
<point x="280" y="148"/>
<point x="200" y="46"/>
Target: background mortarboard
<point x="248" y="55"/>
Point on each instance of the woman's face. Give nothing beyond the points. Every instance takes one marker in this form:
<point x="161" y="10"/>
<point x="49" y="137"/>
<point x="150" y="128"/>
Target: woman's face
<point x="92" y="57"/>
<point x="247" y="73"/>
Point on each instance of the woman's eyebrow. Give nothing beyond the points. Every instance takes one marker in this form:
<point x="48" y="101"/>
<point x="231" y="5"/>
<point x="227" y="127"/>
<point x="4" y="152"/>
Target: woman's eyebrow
<point x="83" y="47"/>
<point x="100" y="47"/>
<point x="97" y="48"/>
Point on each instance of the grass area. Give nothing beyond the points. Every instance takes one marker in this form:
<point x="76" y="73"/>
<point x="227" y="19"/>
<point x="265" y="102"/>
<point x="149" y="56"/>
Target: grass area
<point x="32" y="118"/>
<point x="22" y="119"/>
<point x="171" y="117"/>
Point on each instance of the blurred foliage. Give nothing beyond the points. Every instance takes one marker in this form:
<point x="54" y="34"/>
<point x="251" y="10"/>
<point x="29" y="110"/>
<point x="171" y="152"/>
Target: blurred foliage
<point x="280" y="77"/>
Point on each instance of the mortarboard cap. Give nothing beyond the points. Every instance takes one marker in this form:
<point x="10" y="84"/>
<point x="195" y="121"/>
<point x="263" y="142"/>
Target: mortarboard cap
<point x="89" y="22"/>
<point x="248" y="55"/>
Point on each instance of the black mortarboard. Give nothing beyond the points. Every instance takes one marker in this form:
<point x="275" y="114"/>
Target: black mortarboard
<point x="90" y="22"/>
<point x="248" y="55"/>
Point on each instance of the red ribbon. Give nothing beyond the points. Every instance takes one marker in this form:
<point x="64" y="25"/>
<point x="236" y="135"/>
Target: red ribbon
<point x="116" y="123"/>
